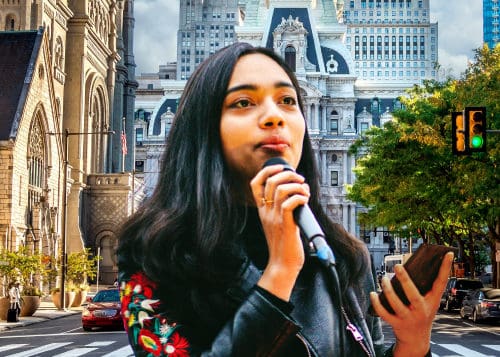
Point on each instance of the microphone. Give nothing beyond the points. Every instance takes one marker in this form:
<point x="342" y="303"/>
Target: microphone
<point x="307" y="223"/>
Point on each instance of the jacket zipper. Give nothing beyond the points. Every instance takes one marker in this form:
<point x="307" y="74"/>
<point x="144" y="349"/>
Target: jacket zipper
<point x="303" y="340"/>
<point x="355" y="333"/>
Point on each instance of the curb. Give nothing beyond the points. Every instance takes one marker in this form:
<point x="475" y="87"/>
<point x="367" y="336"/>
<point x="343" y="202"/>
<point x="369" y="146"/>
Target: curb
<point x="39" y="316"/>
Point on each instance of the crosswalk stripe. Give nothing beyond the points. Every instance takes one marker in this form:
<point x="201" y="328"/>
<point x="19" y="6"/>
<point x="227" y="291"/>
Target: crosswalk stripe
<point x="11" y="347"/>
<point x="76" y="352"/>
<point x="464" y="351"/>
<point x="34" y="351"/>
<point x="122" y="352"/>
<point x="493" y="347"/>
<point x="100" y="343"/>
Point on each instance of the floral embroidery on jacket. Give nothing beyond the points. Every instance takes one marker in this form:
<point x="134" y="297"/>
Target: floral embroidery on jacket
<point x="147" y="328"/>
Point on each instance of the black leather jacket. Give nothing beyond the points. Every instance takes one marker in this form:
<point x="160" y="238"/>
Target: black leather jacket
<point x="262" y="327"/>
<point x="244" y="320"/>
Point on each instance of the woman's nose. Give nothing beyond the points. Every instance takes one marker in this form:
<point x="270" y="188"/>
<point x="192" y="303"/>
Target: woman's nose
<point x="272" y="116"/>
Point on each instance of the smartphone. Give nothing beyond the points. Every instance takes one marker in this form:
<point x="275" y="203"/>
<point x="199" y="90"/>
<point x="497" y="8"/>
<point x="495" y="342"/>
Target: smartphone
<point x="423" y="268"/>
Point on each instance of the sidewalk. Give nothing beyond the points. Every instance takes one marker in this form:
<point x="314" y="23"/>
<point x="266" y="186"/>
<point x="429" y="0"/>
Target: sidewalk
<point x="46" y="311"/>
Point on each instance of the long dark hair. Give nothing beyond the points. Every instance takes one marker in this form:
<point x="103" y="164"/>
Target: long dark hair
<point x="186" y="230"/>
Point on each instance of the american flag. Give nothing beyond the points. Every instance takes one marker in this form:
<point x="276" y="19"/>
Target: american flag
<point x="124" y="143"/>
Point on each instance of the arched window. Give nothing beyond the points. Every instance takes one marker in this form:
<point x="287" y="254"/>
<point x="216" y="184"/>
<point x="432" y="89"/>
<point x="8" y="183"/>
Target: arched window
<point x="290" y="57"/>
<point x="36" y="163"/>
<point x="97" y="124"/>
<point x="375" y="106"/>
<point x="334" y="122"/>
<point x="10" y="23"/>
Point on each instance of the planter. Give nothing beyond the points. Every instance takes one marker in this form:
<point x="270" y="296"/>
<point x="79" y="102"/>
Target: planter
<point x="80" y="297"/>
<point x="29" y="305"/>
<point x="69" y="298"/>
<point x="4" y="306"/>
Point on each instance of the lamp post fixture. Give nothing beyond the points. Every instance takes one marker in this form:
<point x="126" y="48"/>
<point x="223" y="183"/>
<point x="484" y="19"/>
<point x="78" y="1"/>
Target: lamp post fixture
<point x="64" y="257"/>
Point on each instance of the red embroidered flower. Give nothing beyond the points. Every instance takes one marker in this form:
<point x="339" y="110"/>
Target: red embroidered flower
<point x="177" y="346"/>
<point x="146" y="285"/>
<point x="150" y="342"/>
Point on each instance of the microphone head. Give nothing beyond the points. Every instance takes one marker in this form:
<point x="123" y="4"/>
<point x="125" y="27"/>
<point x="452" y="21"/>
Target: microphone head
<point x="278" y="161"/>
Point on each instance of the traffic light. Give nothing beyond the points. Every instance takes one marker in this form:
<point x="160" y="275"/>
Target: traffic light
<point x="476" y="124"/>
<point x="459" y="142"/>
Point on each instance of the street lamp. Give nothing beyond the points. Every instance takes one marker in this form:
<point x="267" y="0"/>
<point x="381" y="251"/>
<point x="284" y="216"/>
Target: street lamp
<point x="64" y="258"/>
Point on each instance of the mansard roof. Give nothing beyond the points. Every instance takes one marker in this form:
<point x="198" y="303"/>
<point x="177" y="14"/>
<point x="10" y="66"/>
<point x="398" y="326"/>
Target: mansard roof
<point x="317" y="54"/>
<point x="18" y="53"/>
<point x="303" y="15"/>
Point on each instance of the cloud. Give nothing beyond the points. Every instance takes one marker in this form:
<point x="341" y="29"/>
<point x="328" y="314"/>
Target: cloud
<point x="155" y="37"/>
<point x="459" y="32"/>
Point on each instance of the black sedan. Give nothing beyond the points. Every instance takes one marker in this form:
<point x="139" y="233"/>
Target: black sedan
<point x="103" y="310"/>
<point x="481" y="304"/>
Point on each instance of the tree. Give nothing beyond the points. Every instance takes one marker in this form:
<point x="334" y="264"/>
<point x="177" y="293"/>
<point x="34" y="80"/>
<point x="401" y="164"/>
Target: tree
<point x="407" y="176"/>
<point x="25" y="267"/>
<point x="81" y="266"/>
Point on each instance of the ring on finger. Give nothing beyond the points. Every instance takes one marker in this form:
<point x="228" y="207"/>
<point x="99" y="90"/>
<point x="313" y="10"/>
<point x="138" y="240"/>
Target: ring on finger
<point x="266" y="202"/>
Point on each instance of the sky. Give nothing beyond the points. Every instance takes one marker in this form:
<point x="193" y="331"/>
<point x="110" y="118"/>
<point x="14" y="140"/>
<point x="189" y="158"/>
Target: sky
<point x="459" y="27"/>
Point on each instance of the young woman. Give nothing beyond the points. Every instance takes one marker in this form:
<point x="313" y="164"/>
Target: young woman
<point x="215" y="265"/>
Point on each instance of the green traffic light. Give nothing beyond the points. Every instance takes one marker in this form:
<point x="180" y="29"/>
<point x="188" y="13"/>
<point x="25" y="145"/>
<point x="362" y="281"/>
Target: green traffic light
<point x="476" y="142"/>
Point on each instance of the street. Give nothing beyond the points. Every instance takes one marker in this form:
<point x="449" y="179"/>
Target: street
<point x="451" y="337"/>
<point x="63" y="337"/>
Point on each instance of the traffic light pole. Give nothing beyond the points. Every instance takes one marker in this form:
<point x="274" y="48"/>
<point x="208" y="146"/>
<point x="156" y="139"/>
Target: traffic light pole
<point x="469" y="131"/>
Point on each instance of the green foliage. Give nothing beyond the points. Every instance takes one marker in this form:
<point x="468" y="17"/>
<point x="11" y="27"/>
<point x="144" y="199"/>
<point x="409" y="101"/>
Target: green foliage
<point x="81" y="265"/>
<point x="21" y="266"/>
<point x="407" y="176"/>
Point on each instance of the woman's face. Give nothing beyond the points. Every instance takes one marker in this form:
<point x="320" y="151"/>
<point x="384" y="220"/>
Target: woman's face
<point x="261" y="117"/>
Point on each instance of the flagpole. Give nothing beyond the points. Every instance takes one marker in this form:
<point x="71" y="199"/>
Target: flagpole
<point x="122" y="144"/>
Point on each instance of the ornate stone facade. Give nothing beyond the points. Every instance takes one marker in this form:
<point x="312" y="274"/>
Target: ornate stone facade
<point x="82" y="81"/>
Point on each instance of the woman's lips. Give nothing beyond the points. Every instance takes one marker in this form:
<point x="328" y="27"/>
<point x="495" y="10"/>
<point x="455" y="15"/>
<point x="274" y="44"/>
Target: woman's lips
<point x="276" y="144"/>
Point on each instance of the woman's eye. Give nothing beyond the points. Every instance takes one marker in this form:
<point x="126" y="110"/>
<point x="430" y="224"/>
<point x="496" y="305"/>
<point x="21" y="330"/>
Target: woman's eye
<point x="242" y="103"/>
<point x="289" y="101"/>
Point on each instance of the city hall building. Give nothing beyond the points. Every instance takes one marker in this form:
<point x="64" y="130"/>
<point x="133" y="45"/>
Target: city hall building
<point x="353" y="60"/>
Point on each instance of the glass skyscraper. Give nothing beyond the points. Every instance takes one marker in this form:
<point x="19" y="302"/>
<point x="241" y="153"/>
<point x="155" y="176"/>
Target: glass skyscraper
<point x="491" y="28"/>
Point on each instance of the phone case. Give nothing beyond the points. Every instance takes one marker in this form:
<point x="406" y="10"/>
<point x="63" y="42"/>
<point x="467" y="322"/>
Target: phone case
<point x="423" y="267"/>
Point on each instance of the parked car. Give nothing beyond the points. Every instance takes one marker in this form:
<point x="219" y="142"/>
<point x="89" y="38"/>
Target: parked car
<point x="481" y="304"/>
<point x="103" y="310"/>
<point x="455" y="291"/>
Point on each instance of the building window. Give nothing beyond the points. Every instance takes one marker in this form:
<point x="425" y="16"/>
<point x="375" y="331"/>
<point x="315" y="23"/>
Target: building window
<point x="334" y="122"/>
<point x="334" y="178"/>
<point x="36" y="164"/>
<point x="139" y="166"/>
<point x="139" y="136"/>
<point x="334" y="126"/>
<point x="290" y="57"/>
<point x="375" y="106"/>
<point x="363" y="127"/>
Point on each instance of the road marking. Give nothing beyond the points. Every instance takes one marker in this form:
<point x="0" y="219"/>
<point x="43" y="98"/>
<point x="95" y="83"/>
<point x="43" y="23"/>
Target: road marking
<point x="464" y="351"/>
<point x="73" y="329"/>
<point x="11" y="347"/>
<point x="69" y="334"/>
<point x="35" y="351"/>
<point x="100" y="343"/>
<point x="484" y="329"/>
<point x="76" y="352"/>
<point x="493" y="347"/>
<point x="122" y="352"/>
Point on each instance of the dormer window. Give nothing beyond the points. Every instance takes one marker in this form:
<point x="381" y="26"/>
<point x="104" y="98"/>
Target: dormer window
<point x="290" y="57"/>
